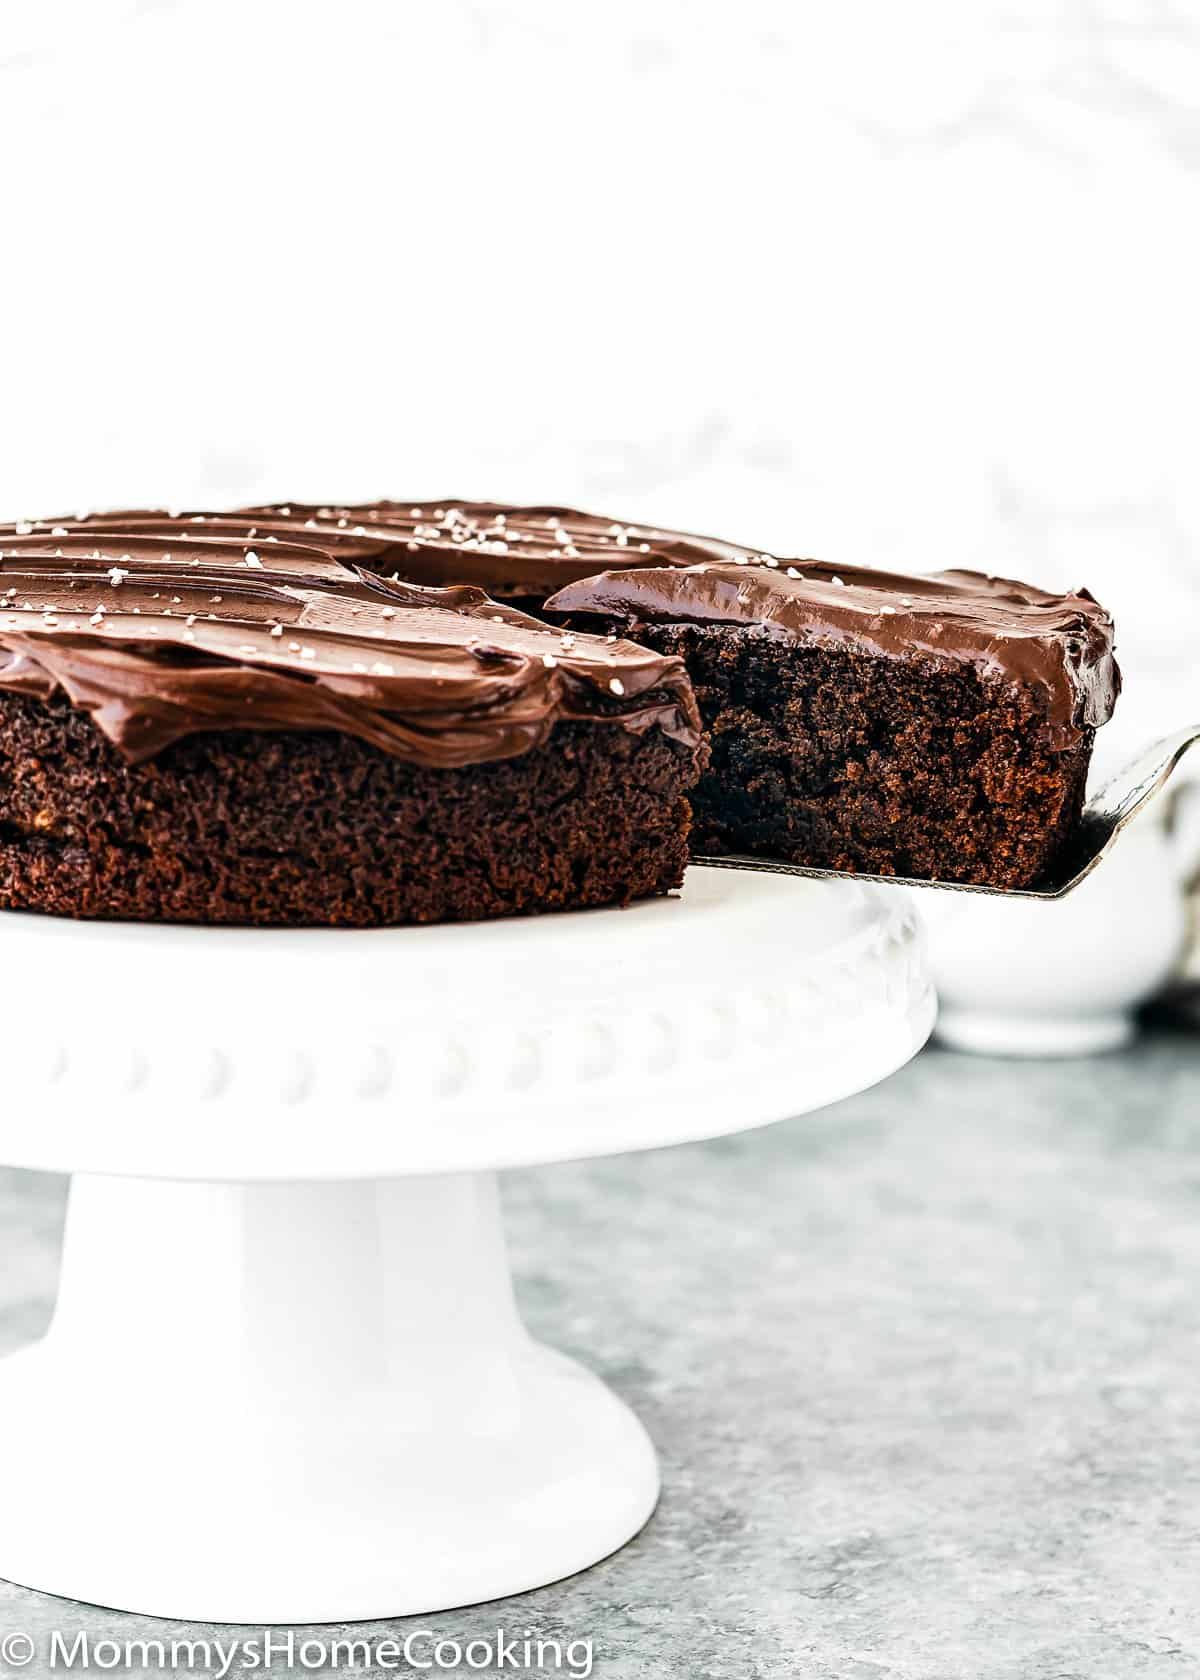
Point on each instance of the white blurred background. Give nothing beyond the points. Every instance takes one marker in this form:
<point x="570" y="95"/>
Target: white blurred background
<point x="908" y="285"/>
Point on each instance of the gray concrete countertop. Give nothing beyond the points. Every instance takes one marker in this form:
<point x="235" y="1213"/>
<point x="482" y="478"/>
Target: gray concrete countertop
<point x="923" y="1369"/>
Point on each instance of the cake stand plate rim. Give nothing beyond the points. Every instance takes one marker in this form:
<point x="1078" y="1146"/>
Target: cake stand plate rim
<point x="740" y="1002"/>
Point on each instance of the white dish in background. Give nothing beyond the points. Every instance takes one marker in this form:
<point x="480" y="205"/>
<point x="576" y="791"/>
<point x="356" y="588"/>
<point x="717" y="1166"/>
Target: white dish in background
<point x="1021" y="977"/>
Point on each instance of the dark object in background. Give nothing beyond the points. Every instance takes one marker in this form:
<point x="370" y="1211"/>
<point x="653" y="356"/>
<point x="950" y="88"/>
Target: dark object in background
<point x="1177" y="1009"/>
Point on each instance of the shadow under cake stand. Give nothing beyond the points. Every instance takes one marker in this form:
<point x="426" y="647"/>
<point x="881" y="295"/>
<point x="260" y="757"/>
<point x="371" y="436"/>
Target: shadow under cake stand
<point x="286" y="1380"/>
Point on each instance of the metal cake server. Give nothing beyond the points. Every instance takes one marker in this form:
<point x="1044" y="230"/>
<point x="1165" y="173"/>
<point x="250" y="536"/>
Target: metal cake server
<point x="1103" y="817"/>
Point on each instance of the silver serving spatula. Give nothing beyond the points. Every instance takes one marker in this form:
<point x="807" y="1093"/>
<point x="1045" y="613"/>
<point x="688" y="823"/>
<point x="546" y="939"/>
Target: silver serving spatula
<point x="1103" y="817"/>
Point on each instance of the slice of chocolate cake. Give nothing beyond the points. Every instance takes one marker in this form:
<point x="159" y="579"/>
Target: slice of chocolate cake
<point x="201" y="725"/>
<point x="938" y="727"/>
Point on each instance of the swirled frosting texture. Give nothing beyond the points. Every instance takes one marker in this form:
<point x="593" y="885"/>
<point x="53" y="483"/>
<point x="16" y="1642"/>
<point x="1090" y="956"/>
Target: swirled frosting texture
<point x="509" y="551"/>
<point x="1059" y="645"/>
<point x="524" y="551"/>
<point x="161" y="626"/>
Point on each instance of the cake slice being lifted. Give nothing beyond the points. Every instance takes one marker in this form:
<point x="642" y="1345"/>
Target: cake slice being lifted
<point x="938" y="727"/>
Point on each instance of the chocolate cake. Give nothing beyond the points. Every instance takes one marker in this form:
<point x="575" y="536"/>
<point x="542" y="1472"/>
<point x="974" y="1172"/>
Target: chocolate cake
<point x="209" y="720"/>
<point x="937" y="727"/>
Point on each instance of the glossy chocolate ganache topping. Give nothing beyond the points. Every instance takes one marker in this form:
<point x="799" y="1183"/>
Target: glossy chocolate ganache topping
<point x="1061" y="645"/>
<point x="509" y="551"/>
<point x="523" y="552"/>
<point x="162" y="626"/>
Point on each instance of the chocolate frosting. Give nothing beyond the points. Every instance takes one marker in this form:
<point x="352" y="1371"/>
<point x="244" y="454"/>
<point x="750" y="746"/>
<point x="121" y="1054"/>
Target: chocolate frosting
<point x="522" y="551"/>
<point x="161" y="626"/>
<point x="511" y="552"/>
<point x="1061" y="645"/>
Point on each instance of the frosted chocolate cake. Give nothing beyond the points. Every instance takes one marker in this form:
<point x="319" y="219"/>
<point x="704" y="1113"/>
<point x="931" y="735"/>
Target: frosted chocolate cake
<point x="205" y="721"/>
<point x="936" y="727"/>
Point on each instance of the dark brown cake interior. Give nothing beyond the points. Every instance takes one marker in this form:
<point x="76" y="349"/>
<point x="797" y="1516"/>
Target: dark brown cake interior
<point x="315" y="827"/>
<point x="832" y="757"/>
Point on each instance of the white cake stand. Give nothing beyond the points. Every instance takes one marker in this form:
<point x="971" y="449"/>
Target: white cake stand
<point x="286" y="1380"/>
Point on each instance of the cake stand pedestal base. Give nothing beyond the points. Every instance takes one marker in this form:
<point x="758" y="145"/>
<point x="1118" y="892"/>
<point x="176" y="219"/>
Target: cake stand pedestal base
<point x="286" y="1381"/>
<point x="303" y="1402"/>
